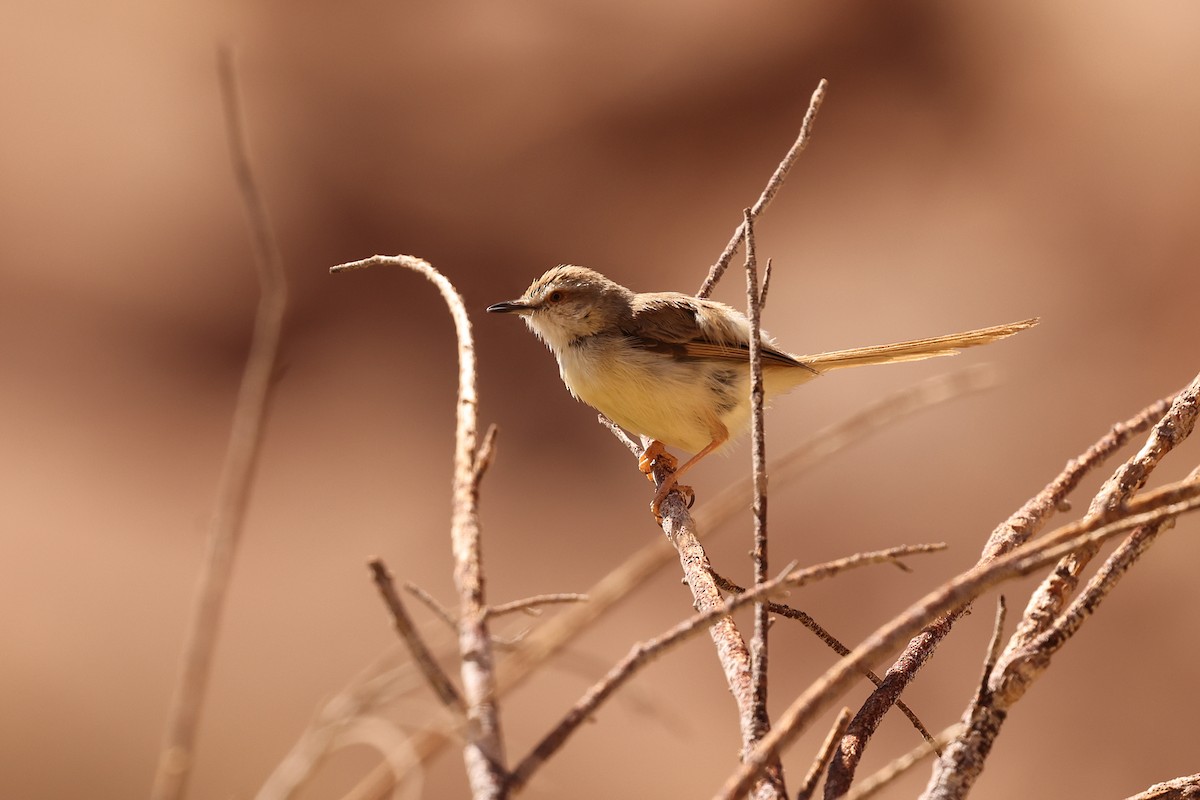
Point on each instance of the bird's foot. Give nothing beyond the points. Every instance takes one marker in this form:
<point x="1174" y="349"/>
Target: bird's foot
<point x="656" y="454"/>
<point x="688" y="494"/>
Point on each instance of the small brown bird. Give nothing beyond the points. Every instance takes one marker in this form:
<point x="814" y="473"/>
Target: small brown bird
<point x="676" y="368"/>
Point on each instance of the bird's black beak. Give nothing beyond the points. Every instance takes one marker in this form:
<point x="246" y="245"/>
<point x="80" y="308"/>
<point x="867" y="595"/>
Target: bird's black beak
<point x="511" y="307"/>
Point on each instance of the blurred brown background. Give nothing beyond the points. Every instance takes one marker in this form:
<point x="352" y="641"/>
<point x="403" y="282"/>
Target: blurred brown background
<point x="972" y="165"/>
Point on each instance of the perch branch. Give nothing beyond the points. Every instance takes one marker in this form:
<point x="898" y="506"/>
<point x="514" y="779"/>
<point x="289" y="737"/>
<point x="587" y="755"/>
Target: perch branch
<point x="483" y="751"/>
<point x="237" y="472"/>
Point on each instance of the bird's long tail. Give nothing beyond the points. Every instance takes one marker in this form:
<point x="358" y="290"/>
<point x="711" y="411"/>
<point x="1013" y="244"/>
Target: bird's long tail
<point x="915" y="350"/>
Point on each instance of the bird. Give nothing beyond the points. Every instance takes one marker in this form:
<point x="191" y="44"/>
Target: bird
<point x="676" y="368"/>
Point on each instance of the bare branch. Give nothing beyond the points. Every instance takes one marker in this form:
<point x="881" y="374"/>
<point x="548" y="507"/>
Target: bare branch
<point x="1172" y="429"/>
<point x="237" y="472"/>
<point x="776" y="181"/>
<point x="484" y="751"/>
<point x="1042" y="631"/>
<point x="424" y="660"/>
<point x="645" y="652"/>
<point x="809" y="785"/>
<point x="1013" y="532"/>
<point x="1185" y="788"/>
<point x="1170" y="501"/>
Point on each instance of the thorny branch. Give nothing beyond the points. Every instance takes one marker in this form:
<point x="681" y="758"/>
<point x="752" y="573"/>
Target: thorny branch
<point x="237" y="472"/>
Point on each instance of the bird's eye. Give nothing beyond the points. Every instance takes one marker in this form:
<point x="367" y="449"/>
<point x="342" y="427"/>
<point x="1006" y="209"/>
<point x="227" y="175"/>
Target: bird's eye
<point x="555" y="297"/>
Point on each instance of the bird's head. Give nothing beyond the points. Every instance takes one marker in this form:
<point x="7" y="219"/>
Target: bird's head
<point x="568" y="303"/>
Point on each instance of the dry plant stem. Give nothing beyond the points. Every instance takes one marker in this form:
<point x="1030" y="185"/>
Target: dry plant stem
<point x="1044" y="629"/>
<point x="431" y="602"/>
<point x="809" y="785"/>
<point x="424" y="660"/>
<point x="483" y="752"/>
<point x="555" y="634"/>
<point x="776" y="181"/>
<point x="760" y="722"/>
<point x="530" y="604"/>
<point x="1185" y="788"/>
<point x="873" y="784"/>
<point x="831" y="641"/>
<point x="1013" y="532"/>
<point x="237" y="472"/>
<point x="1170" y="501"/>
<point x="645" y="652"/>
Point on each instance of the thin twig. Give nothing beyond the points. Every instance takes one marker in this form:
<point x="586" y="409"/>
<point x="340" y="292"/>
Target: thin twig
<point x="645" y="652"/>
<point x="483" y="751"/>
<point x="759" y="722"/>
<point x="441" y="685"/>
<point x="431" y="602"/>
<point x="873" y="784"/>
<point x="1170" y="501"/>
<point x="237" y="472"/>
<point x="993" y="651"/>
<point x="773" y="184"/>
<point x="1012" y="533"/>
<point x="809" y="784"/>
<point x="530" y="604"/>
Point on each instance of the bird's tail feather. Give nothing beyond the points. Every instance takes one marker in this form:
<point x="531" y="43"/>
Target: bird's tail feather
<point x="915" y="350"/>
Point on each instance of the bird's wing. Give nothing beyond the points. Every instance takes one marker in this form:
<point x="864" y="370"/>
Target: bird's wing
<point x="669" y="322"/>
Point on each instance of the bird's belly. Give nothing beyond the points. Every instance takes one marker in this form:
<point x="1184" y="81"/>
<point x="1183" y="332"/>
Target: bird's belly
<point x="652" y="395"/>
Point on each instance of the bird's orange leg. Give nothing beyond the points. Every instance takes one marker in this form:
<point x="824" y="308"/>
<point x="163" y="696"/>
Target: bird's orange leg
<point x="720" y="436"/>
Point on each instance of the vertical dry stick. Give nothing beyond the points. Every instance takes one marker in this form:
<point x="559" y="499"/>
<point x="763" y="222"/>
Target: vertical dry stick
<point x="483" y="751"/>
<point x="760" y="721"/>
<point x="773" y="184"/>
<point x="237" y="472"/>
<point x="1013" y="532"/>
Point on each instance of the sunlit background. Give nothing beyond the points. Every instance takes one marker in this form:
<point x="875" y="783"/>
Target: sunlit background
<point x="973" y="164"/>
